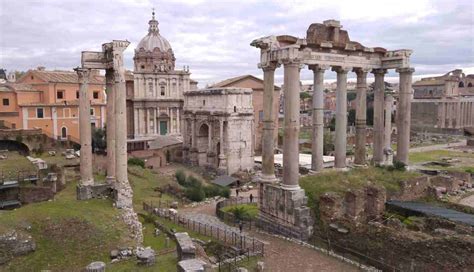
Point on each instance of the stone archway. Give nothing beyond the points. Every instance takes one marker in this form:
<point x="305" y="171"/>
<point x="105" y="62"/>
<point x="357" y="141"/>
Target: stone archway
<point x="202" y="143"/>
<point x="14" y="146"/>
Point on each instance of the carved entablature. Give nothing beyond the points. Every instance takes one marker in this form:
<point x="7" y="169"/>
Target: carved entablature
<point x="111" y="56"/>
<point x="328" y="44"/>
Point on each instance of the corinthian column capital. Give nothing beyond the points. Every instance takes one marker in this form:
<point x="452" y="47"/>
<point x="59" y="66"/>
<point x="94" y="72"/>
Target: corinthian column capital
<point x="361" y="72"/>
<point x="318" y="68"/>
<point x="269" y="66"/>
<point x="341" y="69"/>
<point x="407" y="70"/>
<point x="379" y="71"/>
<point x="83" y="74"/>
<point x="291" y="62"/>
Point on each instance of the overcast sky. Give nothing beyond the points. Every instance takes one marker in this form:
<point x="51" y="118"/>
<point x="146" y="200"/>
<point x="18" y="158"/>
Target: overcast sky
<point x="213" y="37"/>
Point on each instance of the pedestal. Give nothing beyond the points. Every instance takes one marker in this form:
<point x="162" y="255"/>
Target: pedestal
<point x="284" y="211"/>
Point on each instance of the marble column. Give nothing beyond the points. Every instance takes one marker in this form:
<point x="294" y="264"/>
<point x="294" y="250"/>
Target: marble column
<point x="124" y="191"/>
<point x="404" y="114"/>
<point x="388" y="122"/>
<point x="361" y="116"/>
<point x="87" y="177"/>
<point x="379" y="89"/>
<point x="291" y="125"/>
<point x="109" y="89"/>
<point x="268" y="142"/>
<point x="317" y="140"/>
<point x="341" y="117"/>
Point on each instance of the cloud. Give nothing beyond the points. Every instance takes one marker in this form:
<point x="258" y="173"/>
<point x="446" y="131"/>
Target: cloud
<point x="213" y="37"/>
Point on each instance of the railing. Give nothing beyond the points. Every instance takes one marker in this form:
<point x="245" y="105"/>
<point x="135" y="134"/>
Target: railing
<point x="19" y="176"/>
<point x="230" y="218"/>
<point x="249" y="245"/>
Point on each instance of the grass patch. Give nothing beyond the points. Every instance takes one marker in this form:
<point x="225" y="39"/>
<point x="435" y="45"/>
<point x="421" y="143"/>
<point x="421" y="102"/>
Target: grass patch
<point x="418" y="157"/>
<point x="15" y="163"/>
<point x="242" y="211"/>
<point x="69" y="234"/>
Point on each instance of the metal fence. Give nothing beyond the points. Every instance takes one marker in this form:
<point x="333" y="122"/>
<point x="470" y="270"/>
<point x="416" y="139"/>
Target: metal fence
<point x="243" y="243"/>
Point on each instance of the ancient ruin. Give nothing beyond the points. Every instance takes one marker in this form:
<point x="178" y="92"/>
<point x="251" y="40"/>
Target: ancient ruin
<point x="213" y="122"/>
<point x="326" y="46"/>
<point x="111" y="60"/>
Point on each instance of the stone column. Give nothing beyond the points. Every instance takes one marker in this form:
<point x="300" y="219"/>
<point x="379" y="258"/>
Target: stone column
<point x="361" y="116"/>
<point x="379" y="88"/>
<point x="268" y="148"/>
<point x="291" y="126"/>
<point x="123" y="189"/>
<point x="222" y="160"/>
<point x="404" y="114"/>
<point x="178" y="120"/>
<point x="317" y="140"/>
<point x="110" y="129"/>
<point x="209" y="137"/>
<point x="388" y="122"/>
<point x="341" y="117"/>
<point x="87" y="177"/>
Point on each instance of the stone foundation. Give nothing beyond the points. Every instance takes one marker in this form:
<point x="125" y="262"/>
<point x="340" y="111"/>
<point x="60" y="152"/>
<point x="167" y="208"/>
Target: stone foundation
<point x="284" y="210"/>
<point x="85" y="192"/>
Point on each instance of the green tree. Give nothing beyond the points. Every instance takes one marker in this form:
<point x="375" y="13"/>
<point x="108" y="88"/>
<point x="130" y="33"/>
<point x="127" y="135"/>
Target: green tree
<point x="99" y="143"/>
<point x="351" y="117"/>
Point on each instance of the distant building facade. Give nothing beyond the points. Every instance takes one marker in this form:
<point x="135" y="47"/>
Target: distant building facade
<point x="155" y="88"/>
<point x="218" y="129"/>
<point x="256" y="84"/>
<point x="443" y="103"/>
<point x="49" y="100"/>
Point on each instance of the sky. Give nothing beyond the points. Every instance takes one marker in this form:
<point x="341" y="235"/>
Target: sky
<point x="213" y="37"/>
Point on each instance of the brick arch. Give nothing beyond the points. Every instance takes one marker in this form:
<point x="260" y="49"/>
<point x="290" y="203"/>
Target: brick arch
<point x="14" y="145"/>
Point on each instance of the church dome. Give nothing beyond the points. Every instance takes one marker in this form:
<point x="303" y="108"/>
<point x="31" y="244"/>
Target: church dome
<point x="153" y="39"/>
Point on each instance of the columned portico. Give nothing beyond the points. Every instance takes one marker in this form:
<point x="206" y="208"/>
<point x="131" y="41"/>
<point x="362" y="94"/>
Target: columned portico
<point x="268" y="148"/>
<point x="291" y="128"/>
<point x="87" y="178"/>
<point x="404" y="114"/>
<point x="361" y="116"/>
<point x="379" y="88"/>
<point x="109" y="90"/>
<point x="317" y="141"/>
<point x="341" y="117"/>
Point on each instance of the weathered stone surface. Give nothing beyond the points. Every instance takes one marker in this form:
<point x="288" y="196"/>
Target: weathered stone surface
<point x="260" y="266"/>
<point x="96" y="267"/>
<point x="185" y="246"/>
<point x="330" y="207"/>
<point x="191" y="265"/>
<point x="14" y="243"/>
<point x="146" y="256"/>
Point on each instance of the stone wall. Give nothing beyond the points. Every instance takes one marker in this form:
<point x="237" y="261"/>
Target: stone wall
<point x="33" y="194"/>
<point x="412" y="189"/>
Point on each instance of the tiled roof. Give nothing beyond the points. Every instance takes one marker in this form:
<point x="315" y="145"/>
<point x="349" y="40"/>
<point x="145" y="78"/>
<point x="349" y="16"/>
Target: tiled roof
<point x="64" y="76"/>
<point x="12" y="86"/>
<point x="58" y="104"/>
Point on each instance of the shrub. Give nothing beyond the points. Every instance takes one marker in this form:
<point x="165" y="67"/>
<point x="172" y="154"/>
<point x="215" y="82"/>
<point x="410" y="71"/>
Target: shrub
<point x="191" y="181"/>
<point x="400" y="166"/>
<point x="136" y="161"/>
<point x="180" y="177"/>
<point x="242" y="211"/>
<point x="215" y="190"/>
<point x="195" y="194"/>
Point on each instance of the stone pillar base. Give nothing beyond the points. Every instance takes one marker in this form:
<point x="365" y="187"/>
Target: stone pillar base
<point x="110" y="180"/>
<point x="284" y="211"/>
<point x="267" y="178"/>
<point x="85" y="192"/>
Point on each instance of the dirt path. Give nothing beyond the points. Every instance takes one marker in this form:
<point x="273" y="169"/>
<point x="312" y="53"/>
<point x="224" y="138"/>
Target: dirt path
<point x="437" y="147"/>
<point x="282" y="255"/>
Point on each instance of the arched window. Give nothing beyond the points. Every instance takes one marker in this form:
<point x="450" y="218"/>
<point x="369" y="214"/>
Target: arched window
<point x="461" y="84"/>
<point x="162" y="90"/>
<point x="469" y="84"/>
<point x="64" y="132"/>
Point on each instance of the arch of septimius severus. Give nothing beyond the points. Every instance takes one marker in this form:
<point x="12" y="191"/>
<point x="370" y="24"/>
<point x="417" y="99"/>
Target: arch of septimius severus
<point x="325" y="47"/>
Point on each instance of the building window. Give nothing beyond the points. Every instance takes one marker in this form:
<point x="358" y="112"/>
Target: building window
<point x="6" y="102"/>
<point x="260" y="116"/>
<point x="39" y="113"/>
<point x="461" y="84"/>
<point x="162" y="90"/>
<point x="204" y="102"/>
<point x="77" y="94"/>
<point x="64" y="132"/>
<point x="66" y="112"/>
<point x="150" y="88"/>
<point x="235" y="108"/>
<point x="92" y="112"/>
<point x="143" y="66"/>
<point x="95" y="95"/>
<point x="469" y="84"/>
<point x="60" y="95"/>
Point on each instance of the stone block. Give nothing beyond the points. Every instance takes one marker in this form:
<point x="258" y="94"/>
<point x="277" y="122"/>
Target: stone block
<point x="354" y="204"/>
<point x="451" y="184"/>
<point x="93" y="191"/>
<point x="375" y="202"/>
<point x="185" y="247"/>
<point x="413" y="189"/>
<point x="146" y="257"/>
<point x="191" y="265"/>
<point x="96" y="267"/>
<point x="464" y="176"/>
<point x="330" y="207"/>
